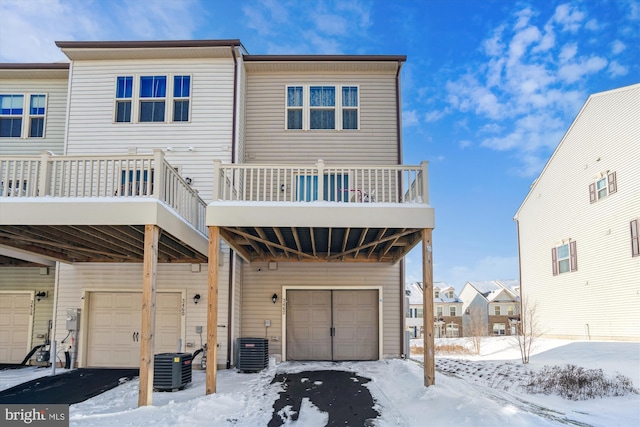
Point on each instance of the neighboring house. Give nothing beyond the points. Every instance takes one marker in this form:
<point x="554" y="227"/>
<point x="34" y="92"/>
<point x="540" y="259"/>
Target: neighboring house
<point x="415" y="319"/>
<point x="447" y="309"/>
<point x="578" y="227"/>
<point x="240" y="195"/>
<point x="491" y="308"/>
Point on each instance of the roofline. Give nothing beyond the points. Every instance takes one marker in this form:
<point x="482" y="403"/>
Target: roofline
<point x="325" y="58"/>
<point x="564" y="137"/>
<point x="146" y="44"/>
<point x="34" y="66"/>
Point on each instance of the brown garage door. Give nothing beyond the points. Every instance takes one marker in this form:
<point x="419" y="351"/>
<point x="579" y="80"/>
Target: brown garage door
<point x="332" y="325"/>
<point x="115" y="323"/>
<point x="15" y="312"/>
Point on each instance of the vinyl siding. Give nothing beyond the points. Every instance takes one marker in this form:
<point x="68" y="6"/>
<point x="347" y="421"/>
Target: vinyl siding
<point x="55" y="114"/>
<point x="599" y="300"/>
<point x="91" y="115"/>
<point x="30" y="279"/>
<point x="97" y="276"/>
<point x="259" y="286"/>
<point x="267" y="141"/>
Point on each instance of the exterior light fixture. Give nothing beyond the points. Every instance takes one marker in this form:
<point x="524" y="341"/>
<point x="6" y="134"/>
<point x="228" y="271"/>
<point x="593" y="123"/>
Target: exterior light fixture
<point x="196" y="298"/>
<point x="40" y="295"/>
<point x="274" y="298"/>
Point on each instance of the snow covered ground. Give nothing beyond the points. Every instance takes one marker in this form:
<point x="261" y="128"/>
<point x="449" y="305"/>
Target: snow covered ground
<point x="470" y="390"/>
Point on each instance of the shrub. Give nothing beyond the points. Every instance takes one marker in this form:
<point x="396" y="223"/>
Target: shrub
<point x="451" y="349"/>
<point x="577" y="383"/>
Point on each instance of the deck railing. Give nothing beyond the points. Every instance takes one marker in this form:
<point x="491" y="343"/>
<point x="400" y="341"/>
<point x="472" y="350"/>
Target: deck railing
<point x="348" y="184"/>
<point x="102" y="176"/>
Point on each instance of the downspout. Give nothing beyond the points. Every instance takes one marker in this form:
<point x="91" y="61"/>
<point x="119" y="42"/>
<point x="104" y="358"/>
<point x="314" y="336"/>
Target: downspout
<point x="519" y="269"/>
<point x="232" y="269"/>
<point x="398" y="114"/>
<point x="66" y="122"/>
<point x="402" y="312"/>
<point x="399" y="159"/>
<point x="235" y="103"/>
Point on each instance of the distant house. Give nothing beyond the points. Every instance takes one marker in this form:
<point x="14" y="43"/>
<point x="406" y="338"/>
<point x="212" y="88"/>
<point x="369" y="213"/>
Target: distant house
<point x="490" y="308"/>
<point x="447" y="309"/>
<point x="578" y="227"/>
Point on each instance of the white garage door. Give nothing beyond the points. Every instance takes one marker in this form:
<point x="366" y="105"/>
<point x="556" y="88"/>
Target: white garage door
<point x="15" y="320"/>
<point x="114" y="327"/>
<point x="332" y="325"/>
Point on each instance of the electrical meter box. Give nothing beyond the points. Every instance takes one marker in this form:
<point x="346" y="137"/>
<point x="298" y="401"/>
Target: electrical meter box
<point x="73" y="319"/>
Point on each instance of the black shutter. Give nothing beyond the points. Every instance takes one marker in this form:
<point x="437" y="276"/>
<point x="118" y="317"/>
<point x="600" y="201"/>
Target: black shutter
<point x="613" y="184"/>
<point x="573" y="256"/>
<point x="592" y="193"/>
<point x="635" y="239"/>
<point x="554" y="260"/>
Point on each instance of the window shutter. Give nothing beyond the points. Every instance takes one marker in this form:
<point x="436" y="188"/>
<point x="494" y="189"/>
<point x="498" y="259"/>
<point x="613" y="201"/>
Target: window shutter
<point x="613" y="185"/>
<point x="635" y="239"/>
<point x="592" y="193"/>
<point x="554" y="260"/>
<point x="573" y="256"/>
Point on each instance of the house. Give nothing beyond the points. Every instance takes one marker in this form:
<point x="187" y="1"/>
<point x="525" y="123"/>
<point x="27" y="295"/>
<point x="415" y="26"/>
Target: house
<point x="193" y="193"/>
<point x="490" y="308"/>
<point x="447" y="309"/>
<point x="578" y="225"/>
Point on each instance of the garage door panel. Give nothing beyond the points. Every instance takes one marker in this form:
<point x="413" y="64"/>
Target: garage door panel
<point x="308" y="324"/>
<point x="15" y="324"/>
<point x="356" y="325"/>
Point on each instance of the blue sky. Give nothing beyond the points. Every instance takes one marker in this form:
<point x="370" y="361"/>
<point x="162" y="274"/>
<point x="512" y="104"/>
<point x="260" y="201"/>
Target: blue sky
<point x="489" y="87"/>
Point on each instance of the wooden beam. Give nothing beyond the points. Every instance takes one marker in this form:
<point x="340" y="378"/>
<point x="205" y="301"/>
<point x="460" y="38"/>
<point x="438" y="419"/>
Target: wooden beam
<point x="388" y="247"/>
<point x="361" y="241"/>
<point x="313" y="241"/>
<point x="231" y="239"/>
<point x="263" y="235"/>
<point x="148" y="327"/>
<point x="329" y="242"/>
<point x="377" y="239"/>
<point x="372" y="244"/>
<point x="267" y="242"/>
<point x="427" y="304"/>
<point x="296" y="238"/>
<point x="345" y="240"/>
<point x="281" y="239"/>
<point x="212" y="309"/>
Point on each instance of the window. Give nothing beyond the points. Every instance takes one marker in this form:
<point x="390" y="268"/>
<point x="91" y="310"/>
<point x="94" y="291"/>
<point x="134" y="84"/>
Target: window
<point x="452" y="310"/>
<point x="496" y="310"/>
<point x="349" y="107"/>
<point x="336" y="188"/>
<point x="36" y="116"/>
<point x="439" y="311"/>
<point x="153" y="91"/>
<point x="635" y="240"/>
<point x="419" y="312"/>
<point x="564" y="258"/>
<point x="450" y="294"/>
<point x="452" y="330"/>
<point x="11" y="108"/>
<point x="320" y="107"/>
<point x="124" y="93"/>
<point x="605" y="185"/>
<point x="436" y="294"/>
<point x="136" y="183"/>
<point x="12" y="113"/>
<point x="181" y="94"/>
<point x="510" y="310"/>
<point x="499" y="329"/>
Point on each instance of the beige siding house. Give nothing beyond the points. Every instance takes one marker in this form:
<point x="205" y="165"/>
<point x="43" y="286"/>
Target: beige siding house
<point x="491" y="308"/>
<point x="447" y="310"/>
<point x="203" y="194"/>
<point x="578" y="226"/>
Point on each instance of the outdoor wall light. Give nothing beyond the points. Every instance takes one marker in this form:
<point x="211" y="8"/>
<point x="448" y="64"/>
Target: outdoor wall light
<point x="40" y="295"/>
<point x="282" y="187"/>
<point x="274" y="298"/>
<point x="196" y="298"/>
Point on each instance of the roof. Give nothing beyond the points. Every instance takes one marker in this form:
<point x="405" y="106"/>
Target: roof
<point x="44" y="70"/>
<point x="584" y="107"/>
<point x="492" y="289"/>
<point x="415" y="294"/>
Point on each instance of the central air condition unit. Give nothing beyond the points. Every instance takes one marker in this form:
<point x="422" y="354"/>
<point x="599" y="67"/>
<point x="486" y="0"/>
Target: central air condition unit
<point x="171" y="371"/>
<point x="252" y="354"/>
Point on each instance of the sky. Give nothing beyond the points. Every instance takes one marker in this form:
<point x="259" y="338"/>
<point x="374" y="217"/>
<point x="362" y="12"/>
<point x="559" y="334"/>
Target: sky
<point x="489" y="88"/>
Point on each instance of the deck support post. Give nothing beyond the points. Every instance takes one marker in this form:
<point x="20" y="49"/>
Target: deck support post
<point x="147" y="336"/>
<point x="427" y="304"/>
<point x="212" y="308"/>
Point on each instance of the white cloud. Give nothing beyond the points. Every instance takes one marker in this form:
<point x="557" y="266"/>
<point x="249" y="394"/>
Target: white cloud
<point x="410" y="118"/>
<point x="333" y="25"/>
<point x="521" y="41"/>
<point x="575" y="71"/>
<point x="568" y="52"/>
<point x="464" y="144"/>
<point x="434" y="116"/>
<point x="617" y="47"/>
<point x="568" y="17"/>
<point x="616" y="69"/>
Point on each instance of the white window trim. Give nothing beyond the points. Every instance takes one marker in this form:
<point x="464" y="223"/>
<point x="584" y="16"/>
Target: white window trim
<point x="454" y="310"/>
<point x="306" y="107"/>
<point x="27" y="116"/>
<point x="136" y="99"/>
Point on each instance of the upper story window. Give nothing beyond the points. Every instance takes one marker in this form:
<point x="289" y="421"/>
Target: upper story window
<point x="496" y="310"/>
<point x="181" y="97"/>
<point x="436" y="294"/>
<point x="452" y="310"/>
<point x="602" y="187"/>
<point x="148" y="99"/>
<point x="564" y="258"/>
<point x="124" y="95"/>
<point x="635" y="239"/>
<point x="12" y="117"/>
<point x="510" y="310"/>
<point x="439" y="311"/>
<point x="322" y="107"/>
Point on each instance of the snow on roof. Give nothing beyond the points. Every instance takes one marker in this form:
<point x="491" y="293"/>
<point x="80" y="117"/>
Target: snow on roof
<point x="492" y="289"/>
<point x="414" y="292"/>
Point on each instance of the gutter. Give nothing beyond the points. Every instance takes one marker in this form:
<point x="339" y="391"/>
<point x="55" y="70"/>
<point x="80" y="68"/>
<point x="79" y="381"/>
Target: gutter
<point x="235" y="103"/>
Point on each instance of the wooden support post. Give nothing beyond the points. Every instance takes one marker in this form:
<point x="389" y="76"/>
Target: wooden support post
<point x="148" y="328"/>
<point x="212" y="311"/>
<point x="427" y="304"/>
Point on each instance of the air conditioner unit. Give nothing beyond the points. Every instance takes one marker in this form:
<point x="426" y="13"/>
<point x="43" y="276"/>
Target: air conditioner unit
<point x="171" y="371"/>
<point x="252" y="354"/>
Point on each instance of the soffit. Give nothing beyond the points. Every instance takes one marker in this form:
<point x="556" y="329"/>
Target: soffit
<point x="120" y="53"/>
<point x="321" y="66"/>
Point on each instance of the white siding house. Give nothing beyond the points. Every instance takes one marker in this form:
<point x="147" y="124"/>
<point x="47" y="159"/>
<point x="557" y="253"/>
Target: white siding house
<point x="578" y="226"/>
<point x="491" y="308"/>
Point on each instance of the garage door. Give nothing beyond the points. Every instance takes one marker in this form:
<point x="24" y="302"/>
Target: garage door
<point x="332" y="325"/>
<point x="15" y="321"/>
<point x="115" y="327"/>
